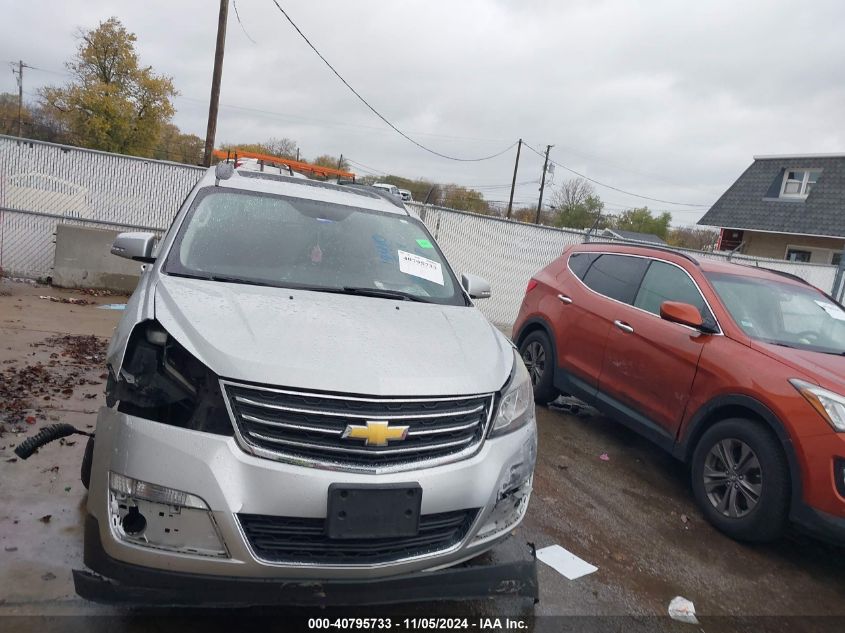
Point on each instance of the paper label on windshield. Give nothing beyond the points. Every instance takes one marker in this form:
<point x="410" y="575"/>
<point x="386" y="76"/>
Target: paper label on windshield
<point x="422" y="267"/>
<point x="833" y="310"/>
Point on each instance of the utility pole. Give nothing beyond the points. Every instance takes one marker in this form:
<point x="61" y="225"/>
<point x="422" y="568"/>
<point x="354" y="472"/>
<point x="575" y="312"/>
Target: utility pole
<point x="18" y="73"/>
<point x="513" y="182"/>
<point x="340" y="162"/>
<point x="211" y="131"/>
<point x="543" y="184"/>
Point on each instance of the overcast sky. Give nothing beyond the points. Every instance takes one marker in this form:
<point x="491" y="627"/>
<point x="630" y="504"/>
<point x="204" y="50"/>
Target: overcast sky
<point x="667" y="99"/>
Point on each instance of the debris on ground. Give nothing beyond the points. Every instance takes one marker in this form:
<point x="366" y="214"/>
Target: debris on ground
<point x="48" y="576"/>
<point x="112" y="306"/>
<point x="96" y="292"/>
<point x="682" y="610"/>
<point x="46" y="518"/>
<point x="11" y="549"/>
<point x="89" y="350"/>
<point x="604" y="457"/>
<point x="565" y="562"/>
<point x="72" y="300"/>
<point x="684" y="519"/>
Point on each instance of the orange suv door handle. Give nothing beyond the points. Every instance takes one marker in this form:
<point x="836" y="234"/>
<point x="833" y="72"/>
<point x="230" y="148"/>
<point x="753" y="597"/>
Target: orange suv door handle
<point x="565" y="299"/>
<point x="624" y="327"/>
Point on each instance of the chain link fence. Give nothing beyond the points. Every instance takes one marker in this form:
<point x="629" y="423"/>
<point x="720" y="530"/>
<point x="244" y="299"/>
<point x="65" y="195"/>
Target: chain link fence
<point x="43" y="184"/>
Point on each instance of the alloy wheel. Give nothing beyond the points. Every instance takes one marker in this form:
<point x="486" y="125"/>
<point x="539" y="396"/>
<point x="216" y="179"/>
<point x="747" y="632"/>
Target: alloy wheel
<point x="733" y="478"/>
<point x="534" y="357"/>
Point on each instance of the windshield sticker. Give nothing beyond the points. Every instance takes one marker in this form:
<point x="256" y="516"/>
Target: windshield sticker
<point x="832" y="310"/>
<point x="746" y="323"/>
<point x="424" y="244"/>
<point x="417" y="266"/>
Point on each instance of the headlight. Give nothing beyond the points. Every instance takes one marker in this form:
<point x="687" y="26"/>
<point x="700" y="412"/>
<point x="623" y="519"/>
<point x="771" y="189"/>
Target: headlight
<point x="516" y="406"/>
<point x="830" y="405"/>
<point x="161" y="381"/>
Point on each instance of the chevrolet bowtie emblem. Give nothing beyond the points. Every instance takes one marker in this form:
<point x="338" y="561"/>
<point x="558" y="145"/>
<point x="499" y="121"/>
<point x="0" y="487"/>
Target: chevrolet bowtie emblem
<point x="375" y="433"/>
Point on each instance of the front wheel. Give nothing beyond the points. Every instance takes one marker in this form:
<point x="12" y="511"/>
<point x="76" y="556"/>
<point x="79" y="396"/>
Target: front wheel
<point x="740" y="479"/>
<point x="537" y="354"/>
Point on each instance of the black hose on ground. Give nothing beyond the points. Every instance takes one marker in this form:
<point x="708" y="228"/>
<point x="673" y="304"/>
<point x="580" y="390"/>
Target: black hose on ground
<point x="48" y="434"/>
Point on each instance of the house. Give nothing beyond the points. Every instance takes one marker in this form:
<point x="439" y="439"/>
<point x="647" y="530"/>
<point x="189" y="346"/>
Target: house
<point x="785" y="207"/>
<point x="618" y="234"/>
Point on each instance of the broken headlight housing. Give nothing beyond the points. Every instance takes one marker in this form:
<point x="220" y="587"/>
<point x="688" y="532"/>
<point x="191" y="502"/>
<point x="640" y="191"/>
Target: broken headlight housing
<point x="516" y="405"/>
<point x="161" y="381"/>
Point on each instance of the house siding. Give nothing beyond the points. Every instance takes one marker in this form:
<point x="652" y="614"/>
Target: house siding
<point x="774" y="245"/>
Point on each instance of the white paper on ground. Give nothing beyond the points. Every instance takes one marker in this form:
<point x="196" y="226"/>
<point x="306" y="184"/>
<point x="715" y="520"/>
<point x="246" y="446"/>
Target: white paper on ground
<point x="422" y="267"/>
<point x="565" y="562"/>
<point x="682" y="610"/>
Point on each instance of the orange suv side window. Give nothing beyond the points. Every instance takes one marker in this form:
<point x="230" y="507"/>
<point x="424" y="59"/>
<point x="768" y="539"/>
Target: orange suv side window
<point x="666" y="282"/>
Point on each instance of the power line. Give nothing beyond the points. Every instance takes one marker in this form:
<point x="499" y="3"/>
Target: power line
<point x="376" y="112"/>
<point x="601" y="184"/>
<point x="238" y="15"/>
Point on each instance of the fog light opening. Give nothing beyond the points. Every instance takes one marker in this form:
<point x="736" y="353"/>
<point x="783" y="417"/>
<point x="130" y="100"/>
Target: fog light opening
<point x="134" y="523"/>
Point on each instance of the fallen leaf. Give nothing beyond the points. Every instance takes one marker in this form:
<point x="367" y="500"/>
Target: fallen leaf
<point x="46" y="518"/>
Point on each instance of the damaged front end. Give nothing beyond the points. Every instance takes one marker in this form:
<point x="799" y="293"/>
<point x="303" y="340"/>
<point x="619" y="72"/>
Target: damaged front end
<point x="510" y="569"/>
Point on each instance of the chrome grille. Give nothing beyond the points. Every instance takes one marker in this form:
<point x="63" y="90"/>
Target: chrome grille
<point x="310" y="427"/>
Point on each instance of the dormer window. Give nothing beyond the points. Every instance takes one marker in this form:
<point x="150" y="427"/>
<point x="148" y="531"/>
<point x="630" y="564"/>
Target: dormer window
<point x="797" y="183"/>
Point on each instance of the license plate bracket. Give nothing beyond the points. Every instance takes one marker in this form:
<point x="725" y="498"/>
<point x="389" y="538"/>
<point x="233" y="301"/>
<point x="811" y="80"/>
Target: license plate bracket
<point x="372" y="512"/>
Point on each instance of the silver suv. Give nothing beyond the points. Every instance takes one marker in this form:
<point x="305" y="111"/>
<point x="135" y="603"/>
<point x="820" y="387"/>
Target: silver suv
<point x="301" y="394"/>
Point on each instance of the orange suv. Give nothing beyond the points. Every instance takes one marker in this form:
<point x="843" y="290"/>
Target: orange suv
<point x="738" y="371"/>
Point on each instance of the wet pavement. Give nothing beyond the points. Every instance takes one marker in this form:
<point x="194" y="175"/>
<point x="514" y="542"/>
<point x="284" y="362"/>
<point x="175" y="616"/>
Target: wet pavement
<point x="631" y="515"/>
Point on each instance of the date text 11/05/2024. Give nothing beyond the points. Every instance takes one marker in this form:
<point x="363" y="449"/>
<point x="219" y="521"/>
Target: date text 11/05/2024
<point x="412" y="624"/>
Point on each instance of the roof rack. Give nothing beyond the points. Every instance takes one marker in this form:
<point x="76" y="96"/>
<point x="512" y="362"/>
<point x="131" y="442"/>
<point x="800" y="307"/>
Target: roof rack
<point x="664" y="249"/>
<point x="783" y="273"/>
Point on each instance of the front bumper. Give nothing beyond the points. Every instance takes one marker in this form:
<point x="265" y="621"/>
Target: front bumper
<point x="511" y="570"/>
<point x="232" y="482"/>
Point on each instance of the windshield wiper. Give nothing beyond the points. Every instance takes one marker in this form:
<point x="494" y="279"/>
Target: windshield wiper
<point x="384" y="294"/>
<point x="223" y="278"/>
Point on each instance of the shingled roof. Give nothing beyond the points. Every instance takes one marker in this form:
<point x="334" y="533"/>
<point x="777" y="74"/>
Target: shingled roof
<point x="753" y="201"/>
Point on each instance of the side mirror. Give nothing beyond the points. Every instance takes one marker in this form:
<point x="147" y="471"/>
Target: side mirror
<point x="476" y="287"/>
<point x="136" y="246"/>
<point x="683" y="313"/>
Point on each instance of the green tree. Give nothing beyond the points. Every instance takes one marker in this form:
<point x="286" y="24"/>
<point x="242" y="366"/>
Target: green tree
<point x="576" y="205"/>
<point x="331" y="161"/>
<point x="281" y="147"/>
<point x="176" y="146"/>
<point x="464" y="199"/>
<point x="693" y="237"/>
<point x="642" y="221"/>
<point x="111" y="103"/>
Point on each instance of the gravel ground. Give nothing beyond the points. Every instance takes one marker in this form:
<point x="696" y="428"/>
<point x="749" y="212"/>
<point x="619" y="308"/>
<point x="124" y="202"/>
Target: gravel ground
<point x="630" y="515"/>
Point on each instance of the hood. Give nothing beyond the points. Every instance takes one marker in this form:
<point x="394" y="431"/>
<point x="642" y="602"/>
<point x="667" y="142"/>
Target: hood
<point x="334" y="342"/>
<point x="828" y="370"/>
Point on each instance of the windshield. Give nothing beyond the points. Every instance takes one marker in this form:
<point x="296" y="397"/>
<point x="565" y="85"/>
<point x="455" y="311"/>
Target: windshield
<point x="782" y="313"/>
<point x="274" y="240"/>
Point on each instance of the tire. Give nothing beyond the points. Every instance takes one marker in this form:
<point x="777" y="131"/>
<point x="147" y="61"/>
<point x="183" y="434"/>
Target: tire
<point x="538" y="355"/>
<point x="87" y="459"/>
<point x="745" y="495"/>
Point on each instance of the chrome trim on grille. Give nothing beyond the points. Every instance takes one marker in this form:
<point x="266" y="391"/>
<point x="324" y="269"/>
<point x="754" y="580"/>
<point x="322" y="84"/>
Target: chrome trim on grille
<point x="288" y="425"/>
<point x="358" y="416"/>
<point x="445" y="429"/>
<point x="362" y="451"/>
<point x="302" y="453"/>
